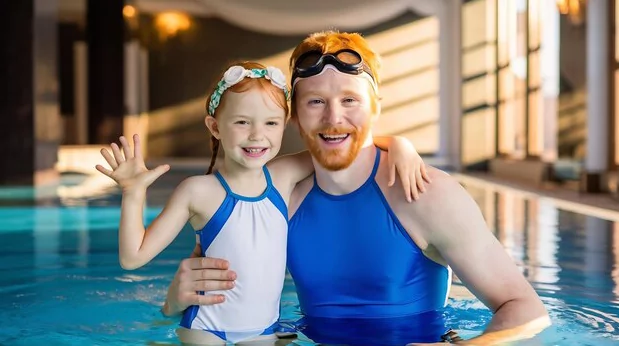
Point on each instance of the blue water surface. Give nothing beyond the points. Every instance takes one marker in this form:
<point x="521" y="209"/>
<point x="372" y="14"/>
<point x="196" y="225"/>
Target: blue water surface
<point x="61" y="284"/>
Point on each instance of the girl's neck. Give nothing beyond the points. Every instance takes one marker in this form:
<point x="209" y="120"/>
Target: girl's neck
<point x="244" y="181"/>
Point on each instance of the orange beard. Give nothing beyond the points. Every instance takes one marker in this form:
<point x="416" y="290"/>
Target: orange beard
<point x="335" y="159"/>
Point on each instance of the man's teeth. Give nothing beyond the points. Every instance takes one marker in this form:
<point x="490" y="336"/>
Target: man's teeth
<point x="334" y="137"/>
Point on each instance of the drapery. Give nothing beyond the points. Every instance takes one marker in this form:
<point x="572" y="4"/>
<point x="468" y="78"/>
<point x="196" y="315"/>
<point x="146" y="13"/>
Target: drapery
<point x="303" y="16"/>
<point x="298" y="17"/>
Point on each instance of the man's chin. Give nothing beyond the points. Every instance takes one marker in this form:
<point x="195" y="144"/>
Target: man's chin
<point x="334" y="166"/>
<point x="333" y="161"/>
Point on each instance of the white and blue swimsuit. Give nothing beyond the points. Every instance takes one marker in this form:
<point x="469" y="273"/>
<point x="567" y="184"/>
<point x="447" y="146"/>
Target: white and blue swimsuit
<point x="251" y="234"/>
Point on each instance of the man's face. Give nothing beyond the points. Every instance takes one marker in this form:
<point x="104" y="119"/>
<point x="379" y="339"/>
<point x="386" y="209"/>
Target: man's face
<point x="335" y="117"/>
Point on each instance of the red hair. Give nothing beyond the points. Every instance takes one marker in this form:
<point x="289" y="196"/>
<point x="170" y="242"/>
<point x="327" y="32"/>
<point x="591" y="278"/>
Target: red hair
<point x="275" y="93"/>
<point x="333" y="41"/>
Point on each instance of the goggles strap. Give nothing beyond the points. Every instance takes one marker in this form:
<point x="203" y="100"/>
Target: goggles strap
<point x="331" y="67"/>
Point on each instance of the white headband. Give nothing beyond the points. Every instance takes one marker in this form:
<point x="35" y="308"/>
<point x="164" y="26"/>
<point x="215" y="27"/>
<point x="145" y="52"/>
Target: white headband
<point x="236" y="73"/>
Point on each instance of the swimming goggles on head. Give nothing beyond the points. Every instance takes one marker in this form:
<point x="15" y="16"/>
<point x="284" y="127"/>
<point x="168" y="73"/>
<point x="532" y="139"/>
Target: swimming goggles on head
<point x="235" y="74"/>
<point x="313" y="63"/>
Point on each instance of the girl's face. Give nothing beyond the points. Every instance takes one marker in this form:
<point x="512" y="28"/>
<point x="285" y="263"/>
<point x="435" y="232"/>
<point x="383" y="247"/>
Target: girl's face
<point x="250" y="127"/>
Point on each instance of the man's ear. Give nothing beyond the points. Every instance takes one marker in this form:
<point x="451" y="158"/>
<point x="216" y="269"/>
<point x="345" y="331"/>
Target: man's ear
<point x="211" y="124"/>
<point x="377" y="109"/>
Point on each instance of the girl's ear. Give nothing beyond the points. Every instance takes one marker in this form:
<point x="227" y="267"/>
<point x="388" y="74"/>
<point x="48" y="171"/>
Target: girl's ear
<point x="211" y="123"/>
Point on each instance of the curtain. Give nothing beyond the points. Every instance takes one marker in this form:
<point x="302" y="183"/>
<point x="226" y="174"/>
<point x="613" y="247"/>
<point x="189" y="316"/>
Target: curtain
<point x="299" y="17"/>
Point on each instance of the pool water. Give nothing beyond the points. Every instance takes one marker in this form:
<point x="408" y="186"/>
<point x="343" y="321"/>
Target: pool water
<point x="61" y="284"/>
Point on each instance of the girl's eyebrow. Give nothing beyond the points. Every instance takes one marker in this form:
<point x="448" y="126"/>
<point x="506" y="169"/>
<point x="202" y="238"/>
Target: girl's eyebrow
<point x="276" y="117"/>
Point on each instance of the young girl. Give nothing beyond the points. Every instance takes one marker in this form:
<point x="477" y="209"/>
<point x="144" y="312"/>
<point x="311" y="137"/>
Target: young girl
<point x="239" y="212"/>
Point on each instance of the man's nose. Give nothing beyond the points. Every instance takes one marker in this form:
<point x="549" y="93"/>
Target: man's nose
<point x="333" y="114"/>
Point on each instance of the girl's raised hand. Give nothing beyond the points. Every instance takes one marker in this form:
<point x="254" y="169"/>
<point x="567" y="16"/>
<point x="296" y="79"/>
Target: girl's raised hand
<point x="127" y="167"/>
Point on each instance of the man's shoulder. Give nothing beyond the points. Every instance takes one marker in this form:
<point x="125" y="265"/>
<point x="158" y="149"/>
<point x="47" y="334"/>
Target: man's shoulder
<point x="444" y="198"/>
<point x="443" y="191"/>
<point x="442" y="181"/>
<point x="432" y="217"/>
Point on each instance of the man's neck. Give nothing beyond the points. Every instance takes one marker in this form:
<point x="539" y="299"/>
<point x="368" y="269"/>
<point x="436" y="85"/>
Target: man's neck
<point x="349" y="179"/>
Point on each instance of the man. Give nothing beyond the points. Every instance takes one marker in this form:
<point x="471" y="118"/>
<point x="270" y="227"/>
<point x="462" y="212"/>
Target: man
<point x="362" y="257"/>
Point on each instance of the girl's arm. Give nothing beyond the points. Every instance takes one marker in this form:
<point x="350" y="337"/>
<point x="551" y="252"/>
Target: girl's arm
<point x="403" y="159"/>
<point x="137" y="245"/>
<point x="292" y="167"/>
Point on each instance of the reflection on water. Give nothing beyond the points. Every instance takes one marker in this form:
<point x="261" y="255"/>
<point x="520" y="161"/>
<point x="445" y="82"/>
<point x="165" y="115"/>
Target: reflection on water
<point x="60" y="281"/>
<point x="571" y="260"/>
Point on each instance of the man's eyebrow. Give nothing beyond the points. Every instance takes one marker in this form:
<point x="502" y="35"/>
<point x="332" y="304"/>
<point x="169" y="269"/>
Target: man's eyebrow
<point x="351" y="91"/>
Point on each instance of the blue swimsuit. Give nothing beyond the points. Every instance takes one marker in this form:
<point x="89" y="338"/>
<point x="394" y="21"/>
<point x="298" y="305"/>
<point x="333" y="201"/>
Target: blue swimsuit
<point x="357" y="271"/>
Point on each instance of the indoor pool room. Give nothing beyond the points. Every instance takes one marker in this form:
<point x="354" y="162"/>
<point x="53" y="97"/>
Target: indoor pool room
<point x="284" y="138"/>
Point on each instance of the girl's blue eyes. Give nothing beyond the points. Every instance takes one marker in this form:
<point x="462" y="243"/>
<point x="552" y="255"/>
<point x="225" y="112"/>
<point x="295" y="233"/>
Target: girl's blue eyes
<point x="244" y="122"/>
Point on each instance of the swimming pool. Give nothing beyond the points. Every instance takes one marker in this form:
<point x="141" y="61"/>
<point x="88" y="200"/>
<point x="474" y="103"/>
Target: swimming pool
<point x="61" y="283"/>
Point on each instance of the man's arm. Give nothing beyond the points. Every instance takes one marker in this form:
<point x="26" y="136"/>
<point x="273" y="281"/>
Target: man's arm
<point x="454" y="225"/>
<point x="197" y="274"/>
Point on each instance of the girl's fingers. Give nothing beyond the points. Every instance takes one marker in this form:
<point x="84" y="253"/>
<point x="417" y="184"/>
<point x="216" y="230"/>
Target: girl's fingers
<point x="109" y="159"/>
